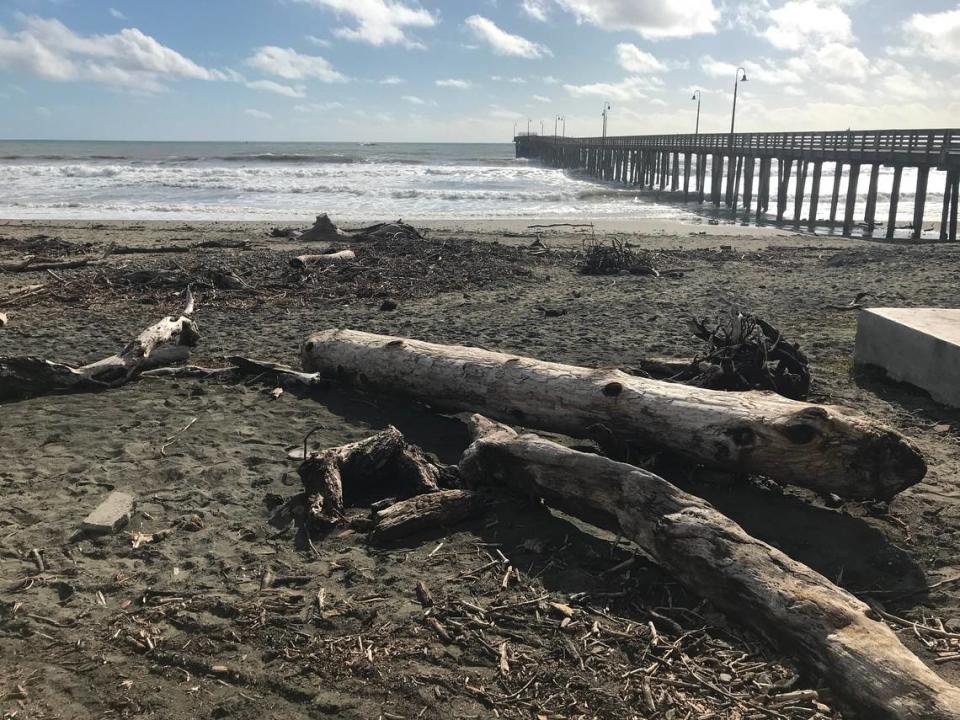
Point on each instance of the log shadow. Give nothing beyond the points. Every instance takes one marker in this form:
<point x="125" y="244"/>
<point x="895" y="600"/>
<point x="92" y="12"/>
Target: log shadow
<point x="902" y="394"/>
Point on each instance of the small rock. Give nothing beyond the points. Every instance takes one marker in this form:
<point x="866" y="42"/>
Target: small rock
<point x="388" y="305"/>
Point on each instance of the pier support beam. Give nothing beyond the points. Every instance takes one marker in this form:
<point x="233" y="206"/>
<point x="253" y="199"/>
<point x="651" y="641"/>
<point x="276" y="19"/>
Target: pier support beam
<point x="894" y="201"/>
<point x="785" y="168"/>
<point x="870" y="215"/>
<point x="748" y="182"/>
<point x="814" y="195"/>
<point x="686" y="177"/>
<point x="851" y="202"/>
<point x="798" y="194"/>
<point x="716" y="177"/>
<point x="920" y="201"/>
<point x="949" y="205"/>
<point x="835" y="198"/>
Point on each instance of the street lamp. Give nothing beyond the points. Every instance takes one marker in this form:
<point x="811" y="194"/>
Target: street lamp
<point x="696" y="96"/>
<point x="607" y="107"/>
<point x="736" y="83"/>
<point x="528" y="125"/>
<point x="514" y="128"/>
<point x="541" y="127"/>
<point x="556" y="120"/>
<point x="563" y="124"/>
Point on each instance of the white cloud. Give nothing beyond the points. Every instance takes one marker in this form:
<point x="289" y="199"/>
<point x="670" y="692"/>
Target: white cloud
<point x="501" y="113"/>
<point x="318" y="41"/>
<point x="634" y="60"/>
<point x="129" y="59"/>
<point x="550" y="80"/>
<point x="413" y="100"/>
<point x="378" y="22"/>
<point x="258" y="114"/>
<point x="649" y="18"/>
<point x="392" y="80"/>
<point x="280" y="89"/>
<point x="542" y="98"/>
<point x="117" y="14"/>
<point x="537" y="9"/>
<point x="936" y="35"/>
<point x="453" y="83"/>
<point x="631" y="88"/>
<point x="837" y="60"/>
<point x="766" y="71"/>
<point x="318" y="107"/>
<point x="803" y="23"/>
<point x="850" y="93"/>
<point x="43" y="112"/>
<point x="502" y="42"/>
<point x="288" y="63"/>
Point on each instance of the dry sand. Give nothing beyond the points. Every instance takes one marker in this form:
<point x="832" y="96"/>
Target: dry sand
<point x="180" y="628"/>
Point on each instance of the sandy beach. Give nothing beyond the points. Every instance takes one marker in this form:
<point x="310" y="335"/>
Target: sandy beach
<point x="185" y="626"/>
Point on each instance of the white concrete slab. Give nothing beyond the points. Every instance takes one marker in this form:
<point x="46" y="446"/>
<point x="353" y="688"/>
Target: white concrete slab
<point x="920" y="346"/>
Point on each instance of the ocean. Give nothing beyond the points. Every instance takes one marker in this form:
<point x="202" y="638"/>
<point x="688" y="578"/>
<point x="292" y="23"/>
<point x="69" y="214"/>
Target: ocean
<point x="351" y="181"/>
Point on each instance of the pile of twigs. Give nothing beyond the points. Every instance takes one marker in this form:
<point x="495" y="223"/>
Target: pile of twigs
<point x="747" y="353"/>
<point x="613" y="257"/>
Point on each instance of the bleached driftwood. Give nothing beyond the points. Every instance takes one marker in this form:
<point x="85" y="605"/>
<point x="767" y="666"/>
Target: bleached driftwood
<point x="801" y="612"/>
<point x="167" y="342"/>
<point x="382" y="465"/>
<point x="306" y="261"/>
<point x="822" y="447"/>
<point x="431" y="510"/>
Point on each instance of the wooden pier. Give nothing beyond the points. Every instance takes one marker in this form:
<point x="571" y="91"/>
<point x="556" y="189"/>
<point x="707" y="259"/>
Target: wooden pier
<point x="744" y="167"/>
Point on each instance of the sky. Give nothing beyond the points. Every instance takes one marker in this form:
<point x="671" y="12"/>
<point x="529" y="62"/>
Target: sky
<point x="469" y="70"/>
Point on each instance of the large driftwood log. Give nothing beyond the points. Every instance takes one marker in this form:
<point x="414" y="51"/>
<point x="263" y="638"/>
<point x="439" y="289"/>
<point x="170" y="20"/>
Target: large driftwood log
<point x="797" y="609"/>
<point x="384" y="464"/>
<point x="167" y="342"/>
<point x="430" y="510"/>
<point x="822" y="447"/>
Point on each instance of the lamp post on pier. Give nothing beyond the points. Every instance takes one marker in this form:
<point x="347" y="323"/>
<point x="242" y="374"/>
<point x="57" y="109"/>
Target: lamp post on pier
<point x="696" y="96"/>
<point x="563" y="125"/>
<point x="556" y="121"/>
<point x="607" y="107"/>
<point x="736" y="83"/>
<point x="528" y="125"/>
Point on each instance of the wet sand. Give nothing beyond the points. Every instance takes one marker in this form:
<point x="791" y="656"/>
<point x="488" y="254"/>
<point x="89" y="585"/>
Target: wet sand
<point x="181" y="627"/>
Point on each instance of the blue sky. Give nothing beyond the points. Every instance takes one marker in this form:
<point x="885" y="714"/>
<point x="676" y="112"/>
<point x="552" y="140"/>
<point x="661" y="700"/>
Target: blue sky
<point x="466" y="70"/>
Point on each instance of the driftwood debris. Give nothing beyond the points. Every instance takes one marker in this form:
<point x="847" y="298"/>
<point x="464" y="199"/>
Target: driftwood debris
<point x="821" y="447"/>
<point x="430" y="510"/>
<point x="324" y="230"/>
<point x="831" y="632"/>
<point x="370" y="469"/>
<point x="331" y="258"/>
<point x="167" y="342"/>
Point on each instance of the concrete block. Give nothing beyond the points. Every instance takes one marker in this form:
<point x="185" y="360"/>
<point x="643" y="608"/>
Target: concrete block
<point x="920" y="346"/>
<point x="110" y="515"/>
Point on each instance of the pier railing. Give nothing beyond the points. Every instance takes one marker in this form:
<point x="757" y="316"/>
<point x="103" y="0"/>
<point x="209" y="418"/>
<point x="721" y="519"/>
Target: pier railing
<point x="934" y="148"/>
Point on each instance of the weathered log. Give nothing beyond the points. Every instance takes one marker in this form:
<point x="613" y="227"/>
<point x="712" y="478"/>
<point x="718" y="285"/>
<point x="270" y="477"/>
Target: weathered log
<point x="420" y="512"/>
<point x="166" y="342"/>
<point x="381" y="465"/>
<point x="305" y="261"/>
<point x="822" y="447"/>
<point x="824" y="627"/>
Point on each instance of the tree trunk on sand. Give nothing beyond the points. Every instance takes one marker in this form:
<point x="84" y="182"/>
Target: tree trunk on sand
<point x="822" y="447"/>
<point x="361" y="472"/>
<point x="798" y="610"/>
<point x="167" y="342"/>
<point x="431" y="510"/>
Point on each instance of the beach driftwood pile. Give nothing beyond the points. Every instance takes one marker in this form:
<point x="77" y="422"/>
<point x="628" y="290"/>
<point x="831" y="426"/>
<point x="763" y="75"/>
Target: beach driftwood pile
<point x="823" y="448"/>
